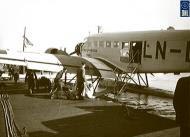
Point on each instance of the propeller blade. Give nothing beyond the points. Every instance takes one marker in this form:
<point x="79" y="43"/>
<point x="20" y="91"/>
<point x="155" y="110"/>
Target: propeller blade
<point x="72" y="53"/>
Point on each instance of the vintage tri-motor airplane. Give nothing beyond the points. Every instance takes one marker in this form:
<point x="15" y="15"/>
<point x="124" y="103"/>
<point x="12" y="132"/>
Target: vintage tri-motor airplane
<point x="117" y="55"/>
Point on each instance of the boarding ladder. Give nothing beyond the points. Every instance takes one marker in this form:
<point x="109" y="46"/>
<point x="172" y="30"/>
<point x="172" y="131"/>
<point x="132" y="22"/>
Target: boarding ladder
<point x="127" y="77"/>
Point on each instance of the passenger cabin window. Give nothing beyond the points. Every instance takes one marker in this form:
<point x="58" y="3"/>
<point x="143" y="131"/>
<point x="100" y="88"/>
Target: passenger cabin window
<point x="125" y="52"/>
<point x="115" y="44"/>
<point x="108" y="44"/>
<point x="101" y="43"/>
<point x="125" y="49"/>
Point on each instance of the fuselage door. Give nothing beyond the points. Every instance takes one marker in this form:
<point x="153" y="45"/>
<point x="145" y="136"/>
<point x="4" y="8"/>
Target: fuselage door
<point x="135" y="52"/>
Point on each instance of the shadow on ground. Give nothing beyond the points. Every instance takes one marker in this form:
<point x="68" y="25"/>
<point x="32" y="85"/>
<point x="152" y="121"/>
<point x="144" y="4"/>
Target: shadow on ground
<point x="19" y="88"/>
<point x="40" y="96"/>
<point x="104" y="121"/>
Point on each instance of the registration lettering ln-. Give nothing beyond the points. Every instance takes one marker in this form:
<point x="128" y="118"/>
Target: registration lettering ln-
<point x="145" y="55"/>
<point x="159" y="50"/>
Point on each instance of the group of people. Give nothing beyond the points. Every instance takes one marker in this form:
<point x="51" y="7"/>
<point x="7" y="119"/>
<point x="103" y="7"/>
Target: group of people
<point x="81" y="84"/>
<point x="59" y="85"/>
<point x="181" y="100"/>
<point x="13" y="71"/>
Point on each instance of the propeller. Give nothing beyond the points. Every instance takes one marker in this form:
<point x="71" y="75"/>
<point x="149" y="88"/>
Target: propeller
<point x="77" y="49"/>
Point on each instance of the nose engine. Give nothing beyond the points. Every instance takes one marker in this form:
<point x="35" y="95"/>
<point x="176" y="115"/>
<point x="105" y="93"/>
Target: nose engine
<point x="78" y="48"/>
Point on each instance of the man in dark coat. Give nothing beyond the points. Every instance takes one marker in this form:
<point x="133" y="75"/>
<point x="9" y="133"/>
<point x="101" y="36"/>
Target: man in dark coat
<point x="16" y="73"/>
<point x="30" y="78"/>
<point x="181" y="102"/>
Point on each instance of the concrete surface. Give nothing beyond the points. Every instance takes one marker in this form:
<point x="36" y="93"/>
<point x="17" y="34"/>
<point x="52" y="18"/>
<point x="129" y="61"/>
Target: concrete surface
<point x="44" y="117"/>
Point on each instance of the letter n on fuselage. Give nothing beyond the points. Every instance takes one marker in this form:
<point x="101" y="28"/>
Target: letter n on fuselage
<point x="160" y="49"/>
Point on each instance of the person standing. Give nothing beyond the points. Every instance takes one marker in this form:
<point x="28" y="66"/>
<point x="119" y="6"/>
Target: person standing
<point x="80" y="81"/>
<point x="1" y="69"/>
<point x="10" y="69"/>
<point x="16" y="73"/>
<point x="30" y="78"/>
<point x="57" y="81"/>
<point x="181" y="102"/>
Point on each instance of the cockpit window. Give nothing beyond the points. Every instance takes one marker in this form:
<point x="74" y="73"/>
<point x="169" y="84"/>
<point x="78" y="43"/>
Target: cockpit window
<point x="95" y="43"/>
<point x="89" y="44"/>
<point x="101" y="43"/>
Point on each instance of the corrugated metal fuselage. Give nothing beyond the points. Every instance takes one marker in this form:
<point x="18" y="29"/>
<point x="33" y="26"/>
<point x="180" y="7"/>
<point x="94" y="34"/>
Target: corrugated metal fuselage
<point x="150" y="51"/>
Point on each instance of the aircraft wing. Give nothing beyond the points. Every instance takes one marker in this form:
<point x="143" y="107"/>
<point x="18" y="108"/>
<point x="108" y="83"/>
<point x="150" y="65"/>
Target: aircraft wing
<point x="42" y="61"/>
<point x="54" y="63"/>
<point x="94" y="67"/>
<point x="36" y="61"/>
<point x="14" y="59"/>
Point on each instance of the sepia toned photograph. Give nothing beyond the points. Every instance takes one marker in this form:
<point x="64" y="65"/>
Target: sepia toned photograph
<point x="95" y="68"/>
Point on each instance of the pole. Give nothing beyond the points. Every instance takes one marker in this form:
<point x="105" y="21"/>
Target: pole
<point x="24" y="69"/>
<point x="99" y="29"/>
<point x="24" y="39"/>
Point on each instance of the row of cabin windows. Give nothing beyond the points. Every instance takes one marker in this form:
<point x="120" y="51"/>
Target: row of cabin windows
<point x="109" y="44"/>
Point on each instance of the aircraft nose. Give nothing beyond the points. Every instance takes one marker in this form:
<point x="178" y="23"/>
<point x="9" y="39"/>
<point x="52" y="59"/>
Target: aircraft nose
<point x="77" y="49"/>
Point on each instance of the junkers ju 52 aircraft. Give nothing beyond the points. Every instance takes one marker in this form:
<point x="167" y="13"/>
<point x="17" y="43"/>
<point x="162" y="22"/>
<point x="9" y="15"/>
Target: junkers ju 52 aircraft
<point x="118" y="55"/>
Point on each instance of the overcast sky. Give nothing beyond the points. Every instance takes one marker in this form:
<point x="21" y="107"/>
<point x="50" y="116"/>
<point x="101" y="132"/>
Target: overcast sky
<point x="64" y="23"/>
